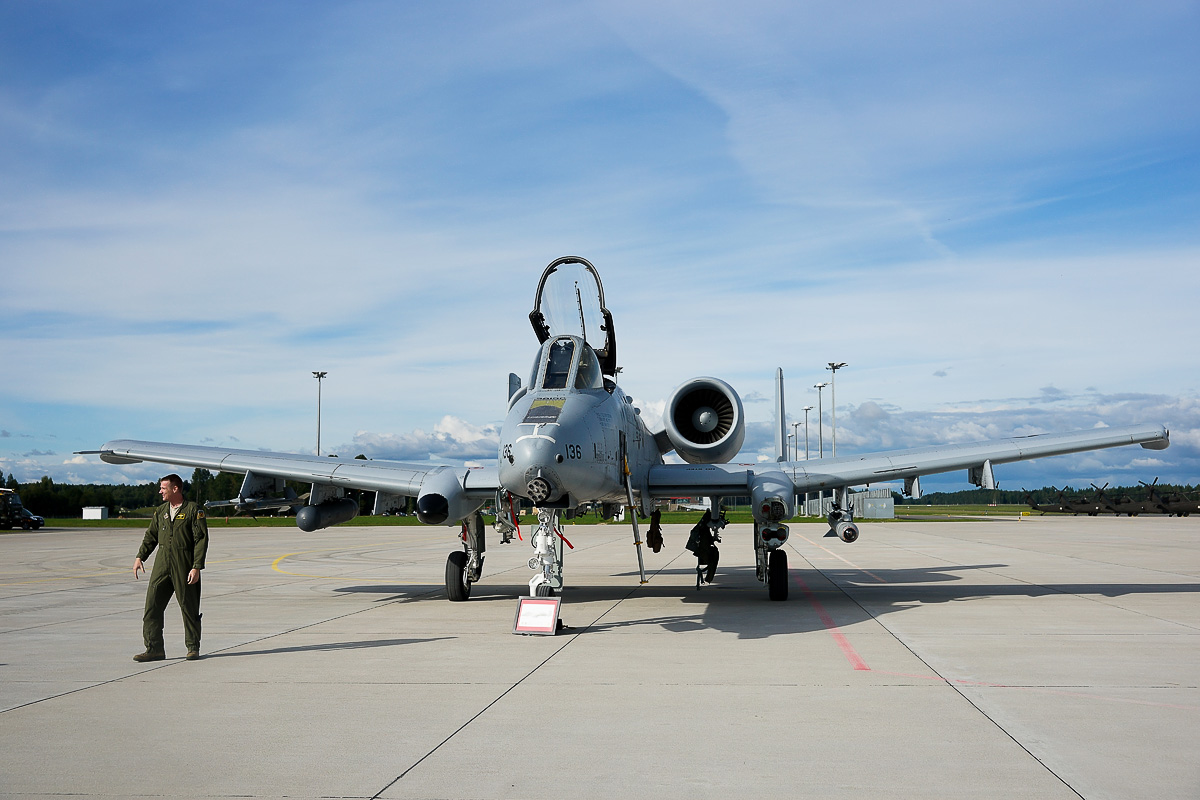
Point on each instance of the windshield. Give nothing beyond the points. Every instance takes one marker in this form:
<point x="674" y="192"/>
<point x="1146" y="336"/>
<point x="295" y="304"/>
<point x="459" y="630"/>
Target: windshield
<point x="558" y="364"/>
<point x="589" y="376"/>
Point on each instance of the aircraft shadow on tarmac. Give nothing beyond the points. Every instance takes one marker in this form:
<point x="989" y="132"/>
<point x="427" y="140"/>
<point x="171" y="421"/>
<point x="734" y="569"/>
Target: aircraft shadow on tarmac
<point x="328" y="646"/>
<point x="736" y="604"/>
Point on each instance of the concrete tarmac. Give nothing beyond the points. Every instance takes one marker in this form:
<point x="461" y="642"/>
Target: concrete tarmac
<point x="1046" y="658"/>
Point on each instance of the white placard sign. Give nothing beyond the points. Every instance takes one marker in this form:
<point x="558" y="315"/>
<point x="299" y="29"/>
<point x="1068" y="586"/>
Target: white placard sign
<point x="537" y="615"/>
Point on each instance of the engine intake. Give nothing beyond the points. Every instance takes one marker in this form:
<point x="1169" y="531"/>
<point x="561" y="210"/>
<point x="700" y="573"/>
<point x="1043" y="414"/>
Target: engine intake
<point x="442" y="498"/>
<point x="705" y="422"/>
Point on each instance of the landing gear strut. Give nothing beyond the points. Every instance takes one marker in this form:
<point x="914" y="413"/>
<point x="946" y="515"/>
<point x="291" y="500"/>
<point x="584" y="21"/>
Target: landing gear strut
<point x="507" y="522"/>
<point x="548" y="545"/>
<point x="464" y="567"/>
<point x="770" y="559"/>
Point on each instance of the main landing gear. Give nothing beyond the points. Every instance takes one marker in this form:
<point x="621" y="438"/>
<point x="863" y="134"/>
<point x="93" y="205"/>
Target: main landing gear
<point x="770" y="559"/>
<point x="464" y="567"/>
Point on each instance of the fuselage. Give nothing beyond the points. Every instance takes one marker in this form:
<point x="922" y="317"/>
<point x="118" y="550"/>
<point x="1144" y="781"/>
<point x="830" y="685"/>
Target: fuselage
<point x="570" y="430"/>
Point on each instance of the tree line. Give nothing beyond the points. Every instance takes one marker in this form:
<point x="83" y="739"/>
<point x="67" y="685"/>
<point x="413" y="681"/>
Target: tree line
<point x="1047" y="494"/>
<point x="67" y="500"/>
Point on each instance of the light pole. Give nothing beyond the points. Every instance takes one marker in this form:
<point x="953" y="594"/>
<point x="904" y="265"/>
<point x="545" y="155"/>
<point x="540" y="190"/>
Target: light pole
<point x="319" y="376"/>
<point x="806" y="410"/>
<point x="820" y="422"/>
<point x="796" y="438"/>
<point x="833" y="367"/>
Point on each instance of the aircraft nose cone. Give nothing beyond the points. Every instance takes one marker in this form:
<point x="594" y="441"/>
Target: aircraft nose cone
<point x="432" y="509"/>
<point x="533" y="469"/>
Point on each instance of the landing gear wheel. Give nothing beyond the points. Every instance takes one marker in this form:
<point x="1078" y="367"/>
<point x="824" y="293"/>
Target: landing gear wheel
<point x="777" y="576"/>
<point x="545" y="590"/>
<point x="458" y="588"/>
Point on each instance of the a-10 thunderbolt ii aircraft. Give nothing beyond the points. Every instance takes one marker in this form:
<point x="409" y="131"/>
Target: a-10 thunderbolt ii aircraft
<point x="572" y="436"/>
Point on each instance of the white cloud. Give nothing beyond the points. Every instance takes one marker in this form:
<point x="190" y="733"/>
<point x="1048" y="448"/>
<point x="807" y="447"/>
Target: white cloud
<point x="944" y="190"/>
<point x="654" y="414"/>
<point x="452" y="439"/>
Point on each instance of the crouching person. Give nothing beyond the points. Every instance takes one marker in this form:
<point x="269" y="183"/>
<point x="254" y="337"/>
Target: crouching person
<point x="702" y="544"/>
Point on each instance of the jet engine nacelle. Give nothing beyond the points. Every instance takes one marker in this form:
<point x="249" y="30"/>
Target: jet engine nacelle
<point x="442" y="498"/>
<point x="326" y="515"/>
<point x="705" y="422"/>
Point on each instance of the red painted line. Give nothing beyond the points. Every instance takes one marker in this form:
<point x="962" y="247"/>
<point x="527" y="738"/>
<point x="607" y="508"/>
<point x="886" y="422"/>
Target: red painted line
<point x="847" y="649"/>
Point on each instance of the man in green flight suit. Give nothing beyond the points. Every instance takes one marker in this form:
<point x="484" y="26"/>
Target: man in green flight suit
<point x="180" y="531"/>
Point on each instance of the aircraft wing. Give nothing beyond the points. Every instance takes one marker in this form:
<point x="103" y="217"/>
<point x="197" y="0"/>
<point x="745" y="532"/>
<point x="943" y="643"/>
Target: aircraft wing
<point x="673" y="480"/>
<point x="393" y="477"/>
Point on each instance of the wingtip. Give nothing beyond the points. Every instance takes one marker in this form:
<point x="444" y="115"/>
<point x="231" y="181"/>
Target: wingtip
<point x="108" y="457"/>
<point x="1161" y="443"/>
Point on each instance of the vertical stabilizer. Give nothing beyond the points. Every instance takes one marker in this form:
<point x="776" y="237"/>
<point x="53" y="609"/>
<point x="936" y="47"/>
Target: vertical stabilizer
<point x="780" y="419"/>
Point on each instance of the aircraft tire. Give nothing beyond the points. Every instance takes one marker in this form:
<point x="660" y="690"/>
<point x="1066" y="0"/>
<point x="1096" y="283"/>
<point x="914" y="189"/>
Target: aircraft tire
<point x="458" y="588"/>
<point x="545" y="590"/>
<point x="777" y="575"/>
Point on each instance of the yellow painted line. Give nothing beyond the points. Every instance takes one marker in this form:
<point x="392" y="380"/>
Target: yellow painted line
<point x="65" y="578"/>
<point x="122" y="571"/>
<point x="274" y="565"/>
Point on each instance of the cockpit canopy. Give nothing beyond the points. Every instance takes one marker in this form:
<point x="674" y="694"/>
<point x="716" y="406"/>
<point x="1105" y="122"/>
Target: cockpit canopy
<point x="570" y="303"/>
<point x="567" y="361"/>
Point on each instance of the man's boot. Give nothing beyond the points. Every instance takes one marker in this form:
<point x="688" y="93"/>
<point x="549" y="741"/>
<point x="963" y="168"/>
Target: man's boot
<point x="193" y="651"/>
<point x="150" y="655"/>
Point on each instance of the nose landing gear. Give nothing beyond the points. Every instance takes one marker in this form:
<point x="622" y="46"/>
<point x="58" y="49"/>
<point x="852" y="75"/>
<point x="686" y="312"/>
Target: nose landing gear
<point x="548" y="545"/>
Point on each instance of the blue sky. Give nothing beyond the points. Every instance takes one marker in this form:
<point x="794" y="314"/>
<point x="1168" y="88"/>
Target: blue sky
<point x="991" y="212"/>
